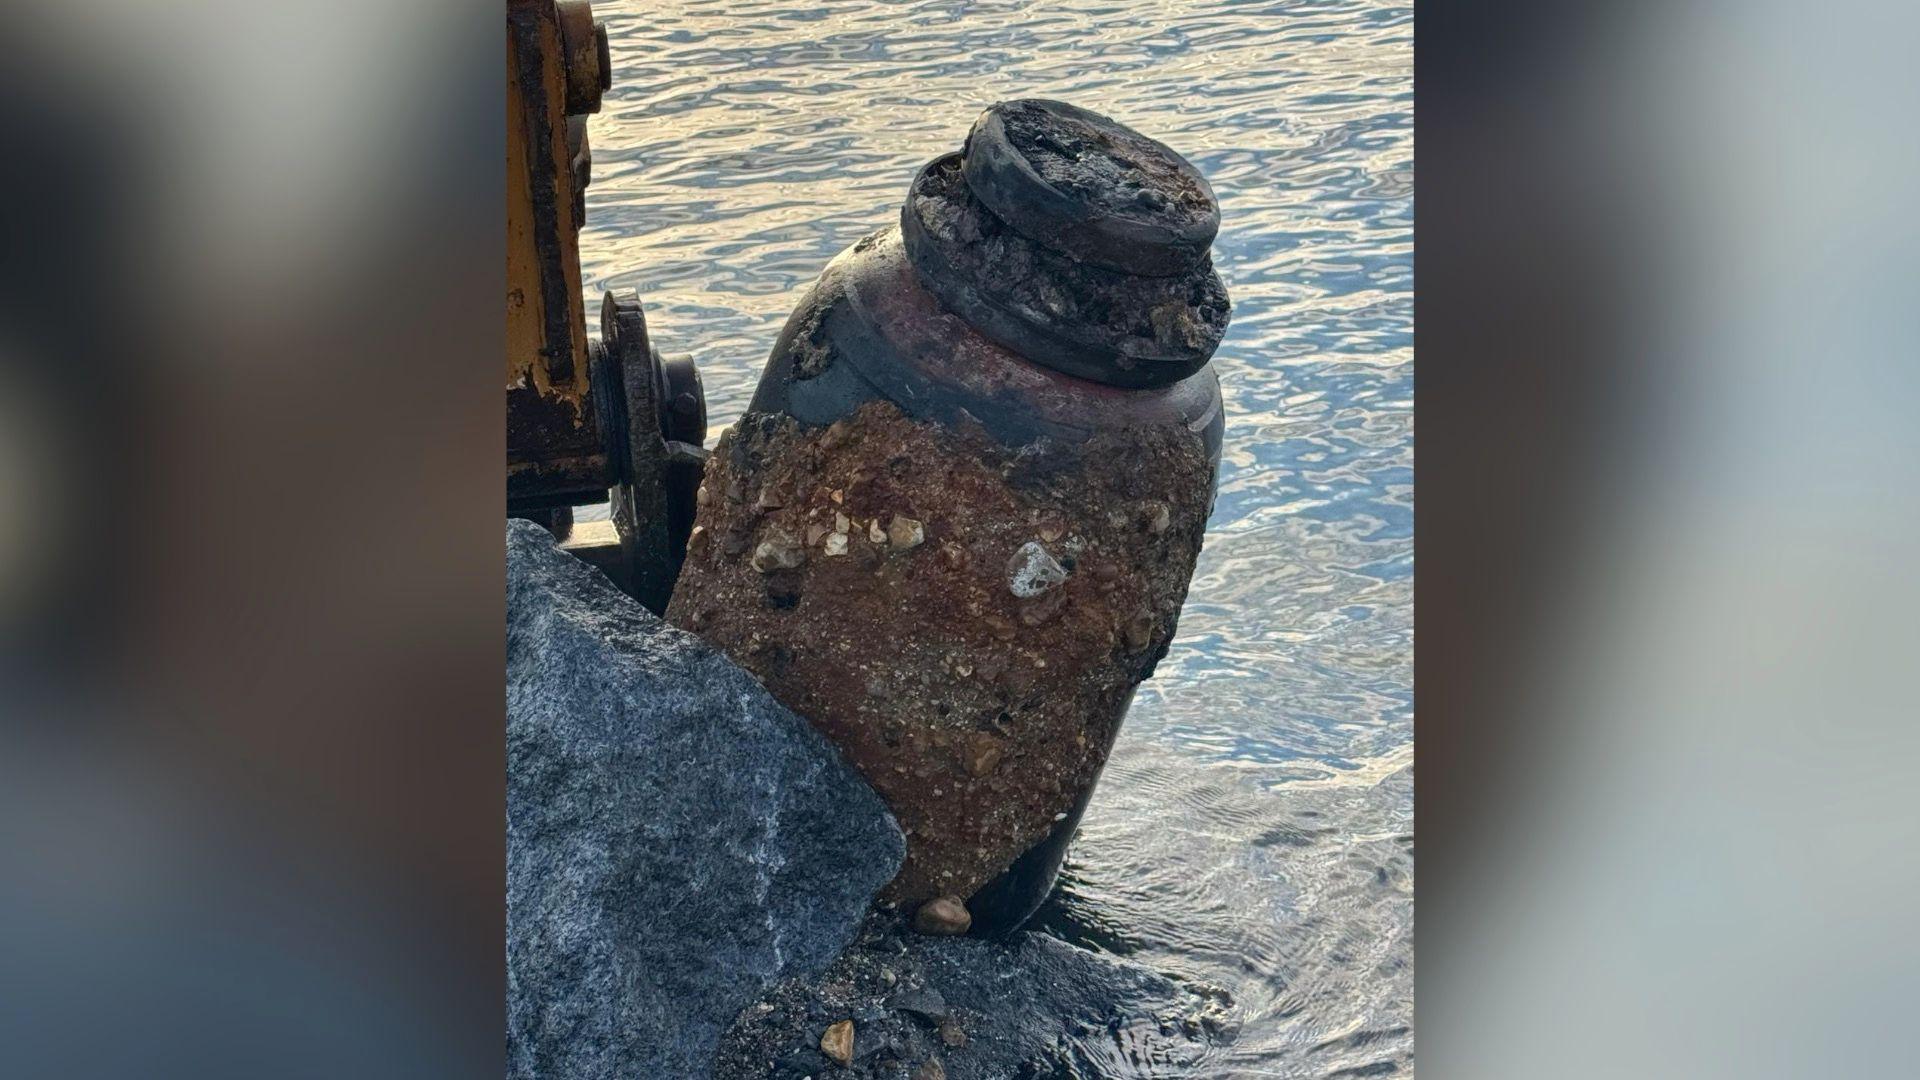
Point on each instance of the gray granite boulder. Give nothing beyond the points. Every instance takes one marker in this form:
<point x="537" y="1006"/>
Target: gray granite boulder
<point x="1025" y="1006"/>
<point x="677" y="841"/>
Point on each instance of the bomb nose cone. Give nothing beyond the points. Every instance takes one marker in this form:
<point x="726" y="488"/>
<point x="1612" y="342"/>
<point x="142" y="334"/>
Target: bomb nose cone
<point x="1091" y="188"/>
<point x="1034" y="273"/>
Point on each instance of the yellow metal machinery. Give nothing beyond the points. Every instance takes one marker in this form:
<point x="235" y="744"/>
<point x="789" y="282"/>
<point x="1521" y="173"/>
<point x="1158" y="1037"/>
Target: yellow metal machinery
<point x="587" y="421"/>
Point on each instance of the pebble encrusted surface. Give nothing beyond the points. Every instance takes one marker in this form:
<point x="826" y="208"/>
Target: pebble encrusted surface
<point x="676" y="840"/>
<point x="920" y="1008"/>
<point x="966" y="621"/>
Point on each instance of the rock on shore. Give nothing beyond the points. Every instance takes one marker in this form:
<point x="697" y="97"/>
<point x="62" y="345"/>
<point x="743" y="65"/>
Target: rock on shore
<point x="973" y="1009"/>
<point x="677" y="841"/>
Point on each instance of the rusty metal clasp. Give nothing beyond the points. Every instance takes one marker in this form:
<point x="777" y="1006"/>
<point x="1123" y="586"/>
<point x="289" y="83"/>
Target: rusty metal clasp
<point x="586" y="421"/>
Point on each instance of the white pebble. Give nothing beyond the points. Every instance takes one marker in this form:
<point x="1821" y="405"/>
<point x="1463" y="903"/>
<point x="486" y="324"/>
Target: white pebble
<point x="1033" y="570"/>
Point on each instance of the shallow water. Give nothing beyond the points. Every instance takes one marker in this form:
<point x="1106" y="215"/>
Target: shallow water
<point x="1254" y="828"/>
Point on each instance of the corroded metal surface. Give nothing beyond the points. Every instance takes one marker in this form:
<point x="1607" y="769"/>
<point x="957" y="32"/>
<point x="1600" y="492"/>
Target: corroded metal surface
<point x="555" y="455"/>
<point x="586" y="422"/>
<point x="1104" y="194"/>
<point x="654" y="450"/>
<point x="965" y="619"/>
<point x="956" y="525"/>
<point x="584" y="45"/>
<point x="546" y="320"/>
<point x="868" y="329"/>
<point x="1108" y="326"/>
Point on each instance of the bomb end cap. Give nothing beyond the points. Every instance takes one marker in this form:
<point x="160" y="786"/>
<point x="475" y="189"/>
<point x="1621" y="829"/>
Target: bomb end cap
<point x="1106" y="326"/>
<point x="1090" y="187"/>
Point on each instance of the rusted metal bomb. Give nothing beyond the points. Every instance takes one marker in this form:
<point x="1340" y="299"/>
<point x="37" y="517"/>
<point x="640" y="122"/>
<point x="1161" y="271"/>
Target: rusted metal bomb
<point x="956" y="525"/>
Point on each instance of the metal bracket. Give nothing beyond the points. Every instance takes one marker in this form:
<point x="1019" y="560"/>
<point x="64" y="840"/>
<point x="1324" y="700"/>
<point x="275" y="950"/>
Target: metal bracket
<point x="653" y="431"/>
<point x="586" y="421"/>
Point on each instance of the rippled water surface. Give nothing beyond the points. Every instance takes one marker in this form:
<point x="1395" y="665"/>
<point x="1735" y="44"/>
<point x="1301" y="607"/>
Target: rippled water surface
<point x="1255" y="827"/>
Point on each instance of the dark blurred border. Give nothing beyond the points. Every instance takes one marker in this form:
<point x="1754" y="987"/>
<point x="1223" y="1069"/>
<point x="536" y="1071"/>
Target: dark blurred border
<point x="250" y="448"/>
<point x="1518" y="255"/>
<point x="1666" y="530"/>
<point x="1521" y="243"/>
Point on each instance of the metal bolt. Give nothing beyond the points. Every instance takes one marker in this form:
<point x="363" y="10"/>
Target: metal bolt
<point x="583" y="48"/>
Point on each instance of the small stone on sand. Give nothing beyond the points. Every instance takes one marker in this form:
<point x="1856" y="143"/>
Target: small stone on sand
<point x="837" y="1043"/>
<point x="943" y="916"/>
